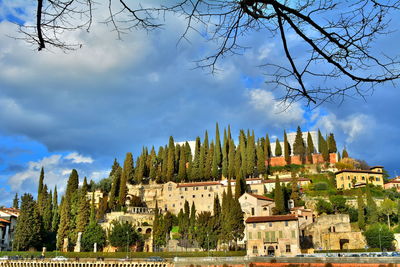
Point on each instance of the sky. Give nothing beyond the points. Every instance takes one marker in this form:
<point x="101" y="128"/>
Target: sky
<point x="82" y="109"/>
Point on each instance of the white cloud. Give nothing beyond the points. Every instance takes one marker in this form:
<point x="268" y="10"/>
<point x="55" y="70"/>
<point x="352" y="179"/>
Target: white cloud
<point x="273" y="110"/>
<point x="77" y="158"/>
<point x="265" y="50"/>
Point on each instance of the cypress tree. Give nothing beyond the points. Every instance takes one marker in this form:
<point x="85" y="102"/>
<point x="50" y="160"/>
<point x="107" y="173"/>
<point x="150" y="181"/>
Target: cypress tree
<point x="126" y="175"/>
<point x="64" y="226"/>
<point x="40" y="194"/>
<point x="243" y="155"/>
<point x="278" y="197"/>
<point x="171" y="159"/>
<point x="286" y="148"/>
<point x="310" y="148"/>
<point x="278" y="148"/>
<point x="182" y="165"/>
<point x="231" y="160"/>
<point x="298" y="147"/>
<point x="192" y="221"/>
<point x="320" y="141"/>
<point x="372" y="210"/>
<point x="164" y="165"/>
<point x="153" y="164"/>
<point x="360" y="209"/>
<point x="345" y="154"/>
<point x="195" y="171"/>
<point x="295" y="195"/>
<point x="72" y="185"/>
<point x="209" y="163"/>
<point x="217" y="148"/>
<point x="56" y="217"/>
<point x="251" y="156"/>
<point x="202" y="162"/>
<point x="225" y="151"/>
<point x="332" y="143"/>
<point x="267" y="148"/>
<point x="28" y="230"/>
<point x="237" y="221"/>
<point x="16" y="202"/>
<point x="48" y="213"/>
<point x="261" y="169"/>
<point x="238" y="164"/>
<point x="82" y="218"/>
<point x="324" y="150"/>
<point x="114" y="168"/>
<point x="217" y="206"/>
<point x="115" y="186"/>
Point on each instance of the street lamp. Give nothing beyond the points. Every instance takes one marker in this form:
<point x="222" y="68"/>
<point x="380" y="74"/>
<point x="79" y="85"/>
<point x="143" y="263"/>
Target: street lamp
<point x="208" y="246"/>
<point x="380" y="243"/>
<point x="127" y="243"/>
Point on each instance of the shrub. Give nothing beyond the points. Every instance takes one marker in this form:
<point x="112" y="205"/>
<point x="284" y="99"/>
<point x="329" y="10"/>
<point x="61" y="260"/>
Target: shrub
<point x="379" y="236"/>
<point x="321" y="186"/>
<point x="324" y="207"/>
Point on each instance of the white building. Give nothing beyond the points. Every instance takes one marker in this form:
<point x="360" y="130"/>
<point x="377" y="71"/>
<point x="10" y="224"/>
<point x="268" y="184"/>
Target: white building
<point x="291" y="137"/>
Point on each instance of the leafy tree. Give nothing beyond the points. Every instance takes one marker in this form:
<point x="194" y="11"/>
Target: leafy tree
<point x="379" y="236"/>
<point x="16" y="201"/>
<point x="82" y="218"/>
<point x="28" y="230"/>
<point x="115" y="187"/>
<point x="324" y="207"/>
<point x="279" y="198"/>
<point x="94" y="233"/>
<point x="204" y="228"/>
<point x="338" y="203"/>
<point x="123" y="234"/>
<point x="360" y="210"/>
<point x="286" y="148"/>
<point x="278" y="148"/>
<point x="388" y="208"/>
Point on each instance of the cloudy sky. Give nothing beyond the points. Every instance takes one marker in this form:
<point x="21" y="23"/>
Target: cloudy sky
<point x="84" y="108"/>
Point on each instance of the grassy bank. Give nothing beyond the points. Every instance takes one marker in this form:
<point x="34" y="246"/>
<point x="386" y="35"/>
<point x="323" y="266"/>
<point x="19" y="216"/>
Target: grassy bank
<point x="28" y="254"/>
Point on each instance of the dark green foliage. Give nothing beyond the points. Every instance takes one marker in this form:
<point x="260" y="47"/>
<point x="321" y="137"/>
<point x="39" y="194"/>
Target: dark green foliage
<point x="345" y="154"/>
<point x="16" y="202"/>
<point x="182" y="176"/>
<point x="126" y="176"/>
<point x="261" y="168"/>
<point x="196" y="171"/>
<point x="225" y="151"/>
<point x="56" y="216"/>
<point x="48" y="213"/>
<point x="372" y="209"/>
<point x="360" y="210"/>
<point x="323" y="147"/>
<point x="114" y="193"/>
<point x="331" y="143"/>
<point x="353" y="214"/>
<point x="324" y="207"/>
<point x="240" y="187"/>
<point x="250" y="156"/>
<point x="123" y="234"/>
<point x="104" y="185"/>
<point x="299" y="147"/>
<point x="94" y="233"/>
<point x="295" y="194"/>
<point x="217" y="149"/>
<point x="82" y="218"/>
<point x="279" y="198"/>
<point x="320" y="186"/>
<point x="171" y="159"/>
<point x="231" y="161"/>
<point x="28" y="231"/>
<point x="278" y="148"/>
<point x="267" y="148"/>
<point x="338" y="203"/>
<point x="205" y="230"/>
<point x="41" y="194"/>
<point x="72" y="185"/>
<point x="310" y="148"/>
<point x="379" y="236"/>
<point x="64" y="226"/>
<point x="286" y="148"/>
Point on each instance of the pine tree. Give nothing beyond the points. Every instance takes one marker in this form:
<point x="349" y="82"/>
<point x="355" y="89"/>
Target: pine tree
<point x="310" y="148"/>
<point x="345" y="154"/>
<point x="72" y="185"/>
<point x="127" y="175"/>
<point x="332" y="143"/>
<point x="16" y="201"/>
<point x="299" y="147"/>
<point x="278" y="148"/>
<point x="171" y="159"/>
<point x="114" y="168"/>
<point x="278" y="198"/>
<point x="286" y="148"/>
<point x="360" y="209"/>
<point x="28" y="230"/>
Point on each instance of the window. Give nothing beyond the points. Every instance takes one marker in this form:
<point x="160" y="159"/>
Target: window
<point x="182" y="197"/>
<point x="270" y="224"/>
<point x="280" y="234"/>
<point x="173" y="205"/>
<point x="252" y="211"/>
<point x="209" y="195"/>
<point x="254" y="225"/>
<point x="169" y="188"/>
<point x="363" y="178"/>
<point x="287" y="248"/>
<point x="286" y="223"/>
<point x="259" y="235"/>
<point x="255" y="250"/>
<point x="186" y="189"/>
<point x="205" y="188"/>
<point x="349" y="185"/>
<point x="293" y="234"/>
<point x="273" y="239"/>
<point x="250" y="235"/>
<point x="201" y="195"/>
<point x="267" y="237"/>
<point x="194" y="196"/>
<point x="342" y="178"/>
<point x="377" y="179"/>
<point x="348" y="177"/>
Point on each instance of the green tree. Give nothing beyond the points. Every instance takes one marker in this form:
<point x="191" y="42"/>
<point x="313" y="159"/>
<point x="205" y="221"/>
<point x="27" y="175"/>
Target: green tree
<point x="372" y="209"/>
<point x="332" y="143"/>
<point x="360" y="209"/>
<point x="195" y="166"/>
<point x="204" y="228"/>
<point x="379" y="236"/>
<point x="231" y="160"/>
<point x="225" y="151"/>
<point x="279" y="198"/>
<point x="310" y="148"/>
<point x="126" y="176"/>
<point x="345" y="154"/>
<point x="278" y="148"/>
<point x="324" y="207"/>
<point x="250" y="155"/>
<point x="123" y="234"/>
<point x="261" y="168"/>
<point x="28" y="230"/>
<point x="388" y="208"/>
<point x="82" y="218"/>
<point x="338" y="203"/>
<point x="40" y="194"/>
<point x="286" y="148"/>
<point x="171" y="159"/>
<point x="56" y="216"/>
<point x="115" y="186"/>
<point x="295" y="194"/>
<point x="192" y="221"/>
<point x="299" y="147"/>
<point x="267" y="148"/>
<point x="16" y="201"/>
<point x="94" y="233"/>
<point x="48" y="213"/>
<point x="72" y="185"/>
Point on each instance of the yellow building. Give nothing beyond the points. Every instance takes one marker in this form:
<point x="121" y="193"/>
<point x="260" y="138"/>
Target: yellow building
<point x="347" y="179"/>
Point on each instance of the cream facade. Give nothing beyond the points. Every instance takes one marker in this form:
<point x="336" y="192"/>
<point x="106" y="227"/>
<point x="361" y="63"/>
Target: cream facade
<point x="8" y="223"/>
<point x="273" y="235"/>
<point x="97" y="195"/>
<point x="347" y="179"/>
<point x="256" y="205"/>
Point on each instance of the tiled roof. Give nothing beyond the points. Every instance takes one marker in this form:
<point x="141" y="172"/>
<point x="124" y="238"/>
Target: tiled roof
<point x="198" y="184"/>
<point x="261" y="197"/>
<point x="357" y="171"/>
<point x="4" y="221"/>
<point x="274" y="218"/>
<point x="286" y="180"/>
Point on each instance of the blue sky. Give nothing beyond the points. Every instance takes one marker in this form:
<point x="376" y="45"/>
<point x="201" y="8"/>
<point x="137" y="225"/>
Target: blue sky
<point x="85" y="108"/>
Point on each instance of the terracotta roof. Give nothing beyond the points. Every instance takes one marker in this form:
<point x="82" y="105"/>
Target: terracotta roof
<point x="198" y="184"/>
<point x="2" y="225"/>
<point x="393" y="182"/>
<point x="5" y="221"/>
<point x="274" y="218"/>
<point x="253" y="179"/>
<point x="261" y="197"/>
<point x="285" y="180"/>
<point x="357" y="171"/>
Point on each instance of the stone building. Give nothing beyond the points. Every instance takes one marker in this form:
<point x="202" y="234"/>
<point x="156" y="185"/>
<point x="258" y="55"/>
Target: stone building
<point x="332" y="232"/>
<point x="394" y="183"/>
<point x="97" y="195"/>
<point x="256" y="205"/>
<point x="347" y="179"/>
<point x="273" y="235"/>
<point x="8" y="223"/>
